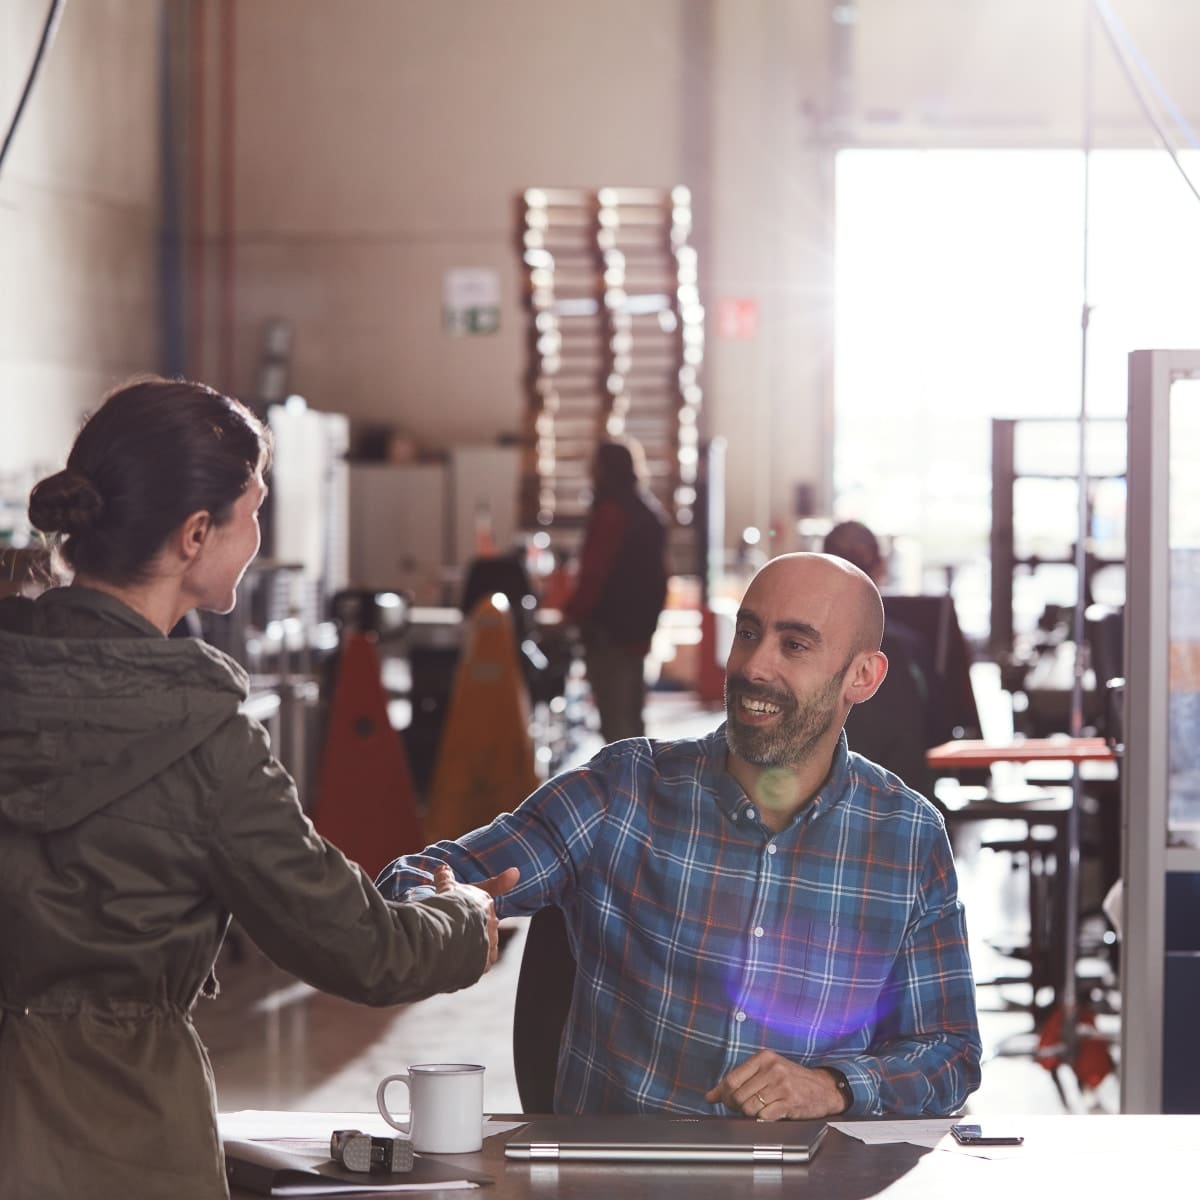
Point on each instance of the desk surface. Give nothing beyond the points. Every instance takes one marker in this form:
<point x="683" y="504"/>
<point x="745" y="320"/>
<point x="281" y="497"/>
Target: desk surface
<point x="973" y="753"/>
<point x="1063" y="1156"/>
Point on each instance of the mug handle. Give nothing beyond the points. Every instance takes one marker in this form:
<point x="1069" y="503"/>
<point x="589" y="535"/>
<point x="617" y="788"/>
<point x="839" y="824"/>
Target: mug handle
<point x="403" y="1126"/>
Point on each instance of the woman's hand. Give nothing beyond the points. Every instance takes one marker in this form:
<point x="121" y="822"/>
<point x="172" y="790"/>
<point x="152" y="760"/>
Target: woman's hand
<point x="482" y="894"/>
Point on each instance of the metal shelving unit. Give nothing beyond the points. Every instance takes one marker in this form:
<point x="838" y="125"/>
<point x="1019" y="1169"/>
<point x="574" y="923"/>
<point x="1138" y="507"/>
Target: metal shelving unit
<point x="1010" y="471"/>
<point x="617" y="341"/>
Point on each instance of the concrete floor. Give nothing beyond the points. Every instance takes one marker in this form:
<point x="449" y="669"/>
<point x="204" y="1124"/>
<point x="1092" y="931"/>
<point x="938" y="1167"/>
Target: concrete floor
<point x="278" y="1044"/>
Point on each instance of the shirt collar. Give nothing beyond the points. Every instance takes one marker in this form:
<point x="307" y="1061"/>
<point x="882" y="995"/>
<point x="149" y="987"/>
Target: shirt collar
<point x="734" y="802"/>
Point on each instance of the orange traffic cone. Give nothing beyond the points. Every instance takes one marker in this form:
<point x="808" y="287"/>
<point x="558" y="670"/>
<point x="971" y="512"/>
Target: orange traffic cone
<point x="485" y="762"/>
<point x="366" y="805"/>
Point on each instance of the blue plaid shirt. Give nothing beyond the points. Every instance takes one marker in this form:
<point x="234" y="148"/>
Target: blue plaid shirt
<point x="701" y="936"/>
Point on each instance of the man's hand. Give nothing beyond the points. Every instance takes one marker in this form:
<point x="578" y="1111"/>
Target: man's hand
<point x="482" y="894"/>
<point x="773" y="1088"/>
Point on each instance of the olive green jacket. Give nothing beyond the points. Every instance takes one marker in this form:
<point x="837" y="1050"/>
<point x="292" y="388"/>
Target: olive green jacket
<point x="138" y="810"/>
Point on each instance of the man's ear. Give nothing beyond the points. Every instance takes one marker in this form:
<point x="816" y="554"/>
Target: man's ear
<point x="865" y="676"/>
<point x="193" y="533"/>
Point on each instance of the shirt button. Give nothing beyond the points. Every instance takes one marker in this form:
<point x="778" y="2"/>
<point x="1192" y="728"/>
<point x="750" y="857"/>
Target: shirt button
<point x="739" y="1017"/>
<point x="750" y="814"/>
<point x="771" y="847"/>
<point x="758" y="931"/>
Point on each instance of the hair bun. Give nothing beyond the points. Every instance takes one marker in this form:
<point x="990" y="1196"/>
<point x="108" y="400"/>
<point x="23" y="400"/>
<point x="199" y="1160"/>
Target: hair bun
<point x="65" y="503"/>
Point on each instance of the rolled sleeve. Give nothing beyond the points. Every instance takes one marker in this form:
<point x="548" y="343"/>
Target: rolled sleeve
<point x="549" y="838"/>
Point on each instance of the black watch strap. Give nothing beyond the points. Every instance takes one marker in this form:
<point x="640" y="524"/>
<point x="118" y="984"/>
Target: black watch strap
<point x="843" y="1086"/>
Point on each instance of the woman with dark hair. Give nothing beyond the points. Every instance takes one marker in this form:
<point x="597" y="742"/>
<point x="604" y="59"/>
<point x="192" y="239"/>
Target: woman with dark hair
<point x="139" y="810"/>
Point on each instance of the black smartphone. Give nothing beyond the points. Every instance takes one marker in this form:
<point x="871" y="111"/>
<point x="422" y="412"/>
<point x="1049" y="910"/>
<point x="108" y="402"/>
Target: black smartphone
<point x="984" y="1135"/>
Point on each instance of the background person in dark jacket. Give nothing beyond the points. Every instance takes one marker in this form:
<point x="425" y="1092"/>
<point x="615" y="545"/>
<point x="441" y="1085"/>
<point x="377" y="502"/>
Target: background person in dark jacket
<point x="139" y="809"/>
<point x="621" y="588"/>
<point x="891" y="728"/>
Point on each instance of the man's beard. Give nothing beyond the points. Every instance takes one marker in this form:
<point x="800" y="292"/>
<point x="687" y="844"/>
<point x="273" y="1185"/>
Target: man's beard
<point x="789" y="741"/>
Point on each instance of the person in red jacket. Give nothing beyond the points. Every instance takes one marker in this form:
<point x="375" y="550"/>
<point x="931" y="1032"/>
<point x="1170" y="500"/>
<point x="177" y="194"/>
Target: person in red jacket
<point x="621" y="588"/>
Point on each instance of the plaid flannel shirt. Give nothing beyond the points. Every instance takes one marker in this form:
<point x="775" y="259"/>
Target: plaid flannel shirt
<point x="701" y="936"/>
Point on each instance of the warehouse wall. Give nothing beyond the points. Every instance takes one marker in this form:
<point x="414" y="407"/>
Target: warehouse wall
<point x="377" y="145"/>
<point x="341" y="158"/>
<point x="79" y="218"/>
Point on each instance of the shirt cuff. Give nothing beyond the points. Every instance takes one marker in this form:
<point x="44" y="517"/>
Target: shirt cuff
<point x="863" y="1093"/>
<point x="843" y="1087"/>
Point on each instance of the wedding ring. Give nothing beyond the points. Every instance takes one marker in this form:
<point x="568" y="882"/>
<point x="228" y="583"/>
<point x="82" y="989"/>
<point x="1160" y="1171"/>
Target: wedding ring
<point x="759" y="1097"/>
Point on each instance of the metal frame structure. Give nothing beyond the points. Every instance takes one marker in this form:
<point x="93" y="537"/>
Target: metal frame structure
<point x="1004" y="557"/>
<point x="1147" y="858"/>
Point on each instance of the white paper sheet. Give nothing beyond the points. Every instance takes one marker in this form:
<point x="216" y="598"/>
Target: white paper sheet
<point x="932" y="1134"/>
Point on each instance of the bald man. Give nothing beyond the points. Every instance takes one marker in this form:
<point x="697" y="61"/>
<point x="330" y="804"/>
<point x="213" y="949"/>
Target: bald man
<point x="763" y="922"/>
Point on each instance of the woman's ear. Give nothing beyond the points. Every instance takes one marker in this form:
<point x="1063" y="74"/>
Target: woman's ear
<point x="866" y="675"/>
<point x="193" y="533"/>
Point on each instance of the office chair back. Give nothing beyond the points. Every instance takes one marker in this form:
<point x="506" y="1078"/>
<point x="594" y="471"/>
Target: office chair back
<point x="946" y="662"/>
<point x="544" y="988"/>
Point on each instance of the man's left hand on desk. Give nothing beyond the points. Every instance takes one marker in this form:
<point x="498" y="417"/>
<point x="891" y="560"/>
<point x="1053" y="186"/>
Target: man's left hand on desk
<point x="773" y="1088"/>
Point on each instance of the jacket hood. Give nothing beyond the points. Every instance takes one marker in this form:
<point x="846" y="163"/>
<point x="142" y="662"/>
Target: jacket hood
<point x="94" y="702"/>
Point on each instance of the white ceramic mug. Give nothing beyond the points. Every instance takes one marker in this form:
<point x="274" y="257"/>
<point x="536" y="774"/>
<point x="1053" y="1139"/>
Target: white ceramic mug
<point x="445" y="1102"/>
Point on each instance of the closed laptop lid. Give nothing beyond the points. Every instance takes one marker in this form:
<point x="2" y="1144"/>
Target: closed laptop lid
<point x="666" y="1140"/>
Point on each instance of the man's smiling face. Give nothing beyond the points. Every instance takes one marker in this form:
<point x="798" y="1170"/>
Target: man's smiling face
<point x="797" y="638"/>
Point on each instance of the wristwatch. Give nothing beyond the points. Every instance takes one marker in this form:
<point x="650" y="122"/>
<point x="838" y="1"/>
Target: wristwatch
<point x="843" y="1086"/>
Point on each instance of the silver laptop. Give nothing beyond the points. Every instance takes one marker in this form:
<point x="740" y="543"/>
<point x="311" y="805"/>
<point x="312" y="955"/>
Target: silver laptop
<point x="655" y="1139"/>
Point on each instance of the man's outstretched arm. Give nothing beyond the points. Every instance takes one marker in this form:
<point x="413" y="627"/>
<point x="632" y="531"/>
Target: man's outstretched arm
<point x="547" y="838"/>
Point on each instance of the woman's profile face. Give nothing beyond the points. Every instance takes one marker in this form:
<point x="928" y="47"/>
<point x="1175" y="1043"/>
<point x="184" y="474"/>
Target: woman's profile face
<point x="228" y="550"/>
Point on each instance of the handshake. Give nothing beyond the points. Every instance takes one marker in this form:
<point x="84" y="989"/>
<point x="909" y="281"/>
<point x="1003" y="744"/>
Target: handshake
<point x="483" y="894"/>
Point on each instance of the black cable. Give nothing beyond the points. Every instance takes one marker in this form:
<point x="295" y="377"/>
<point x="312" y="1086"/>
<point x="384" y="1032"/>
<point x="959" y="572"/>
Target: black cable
<point x="48" y="31"/>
